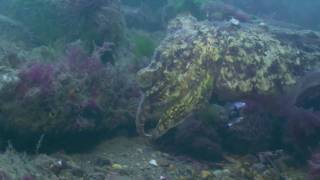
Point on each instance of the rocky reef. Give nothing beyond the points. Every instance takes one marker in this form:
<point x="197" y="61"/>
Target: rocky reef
<point x="93" y="22"/>
<point x="54" y="52"/>
<point x="199" y="60"/>
<point x="74" y="95"/>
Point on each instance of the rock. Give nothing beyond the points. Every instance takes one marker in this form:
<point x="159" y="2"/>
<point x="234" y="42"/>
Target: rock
<point x="4" y="175"/>
<point x="234" y="22"/>
<point x="78" y="172"/>
<point x="205" y="174"/>
<point x="96" y="176"/>
<point x="139" y="150"/>
<point x="163" y="163"/>
<point x="58" y="166"/>
<point x="196" y="138"/>
<point x="263" y="26"/>
<point x="18" y="166"/>
<point x="47" y="89"/>
<point x="102" y="20"/>
<point x="7" y="76"/>
<point x="125" y="172"/>
<point x="100" y="161"/>
<point x="221" y="173"/>
<point x="117" y="166"/>
<point x="163" y="178"/>
<point x="259" y="167"/>
<point x="153" y="162"/>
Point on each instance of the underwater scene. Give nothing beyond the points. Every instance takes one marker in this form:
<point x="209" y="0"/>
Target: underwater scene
<point x="159" y="90"/>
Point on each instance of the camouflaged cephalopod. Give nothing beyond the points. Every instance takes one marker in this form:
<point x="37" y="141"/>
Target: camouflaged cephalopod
<point x="197" y="58"/>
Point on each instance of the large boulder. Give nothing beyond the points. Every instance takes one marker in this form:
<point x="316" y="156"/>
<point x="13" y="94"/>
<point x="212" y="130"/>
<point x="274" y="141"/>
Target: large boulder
<point x="49" y="22"/>
<point x="75" y="95"/>
<point x="230" y="61"/>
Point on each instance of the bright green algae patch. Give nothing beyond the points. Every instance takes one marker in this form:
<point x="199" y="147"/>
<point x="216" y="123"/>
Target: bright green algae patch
<point x="199" y="58"/>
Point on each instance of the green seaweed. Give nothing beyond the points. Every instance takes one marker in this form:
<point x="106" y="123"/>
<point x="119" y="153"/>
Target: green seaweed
<point x="143" y="45"/>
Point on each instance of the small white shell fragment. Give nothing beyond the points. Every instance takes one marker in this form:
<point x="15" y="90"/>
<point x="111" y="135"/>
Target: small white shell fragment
<point x="163" y="178"/>
<point x="153" y="162"/>
<point x="234" y="21"/>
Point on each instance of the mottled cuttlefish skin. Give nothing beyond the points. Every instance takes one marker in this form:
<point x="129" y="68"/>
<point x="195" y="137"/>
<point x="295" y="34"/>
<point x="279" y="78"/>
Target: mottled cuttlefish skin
<point x="198" y="58"/>
<point x="174" y="87"/>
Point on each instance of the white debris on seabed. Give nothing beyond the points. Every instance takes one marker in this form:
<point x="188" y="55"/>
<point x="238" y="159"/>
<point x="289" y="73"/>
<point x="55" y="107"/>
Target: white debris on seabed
<point x="153" y="162"/>
<point x="263" y="26"/>
<point x="234" y="22"/>
<point x="163" y="178"/>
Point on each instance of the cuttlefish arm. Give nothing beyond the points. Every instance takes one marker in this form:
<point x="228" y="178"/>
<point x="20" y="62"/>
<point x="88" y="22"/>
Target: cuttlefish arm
<point x="140" y="121"/>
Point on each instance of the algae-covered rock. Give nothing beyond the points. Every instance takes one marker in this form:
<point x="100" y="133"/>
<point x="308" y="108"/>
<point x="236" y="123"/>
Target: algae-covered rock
<point x="197" y="59"/>
<point x="49" y="21"/>
<point x="7" y="75"/>
<point x="76" y="94"/>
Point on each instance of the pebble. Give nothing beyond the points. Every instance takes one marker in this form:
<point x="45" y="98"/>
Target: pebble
<point x="234" y="22"/>
<point x="172" y="167"/>
<point x="205" y="174"/>
<point x="100" y="161"/>
<point x="96" y="176"/>
<point x="57" y="166"/>
<point x="163" y="178"/>
<point x="78" y="172"/>
<point x="153" y="162"/>
<point x="140" y="150"/>
<point x="117" y="166"/>
<point x="221" y="173"/>
<point x="260" y="167"/>
<point x="163" y="163"/>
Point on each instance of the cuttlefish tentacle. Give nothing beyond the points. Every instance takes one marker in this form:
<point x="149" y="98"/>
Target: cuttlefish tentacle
<point x="140" y="121"/>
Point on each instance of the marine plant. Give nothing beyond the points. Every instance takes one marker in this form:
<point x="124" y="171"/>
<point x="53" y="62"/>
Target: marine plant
<point x="143" y="46"/>
<point x="38" y="76"/>
<point x="298" y="111"/>
<point x="304" y="114"/>
<point x="75" y="94"/>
